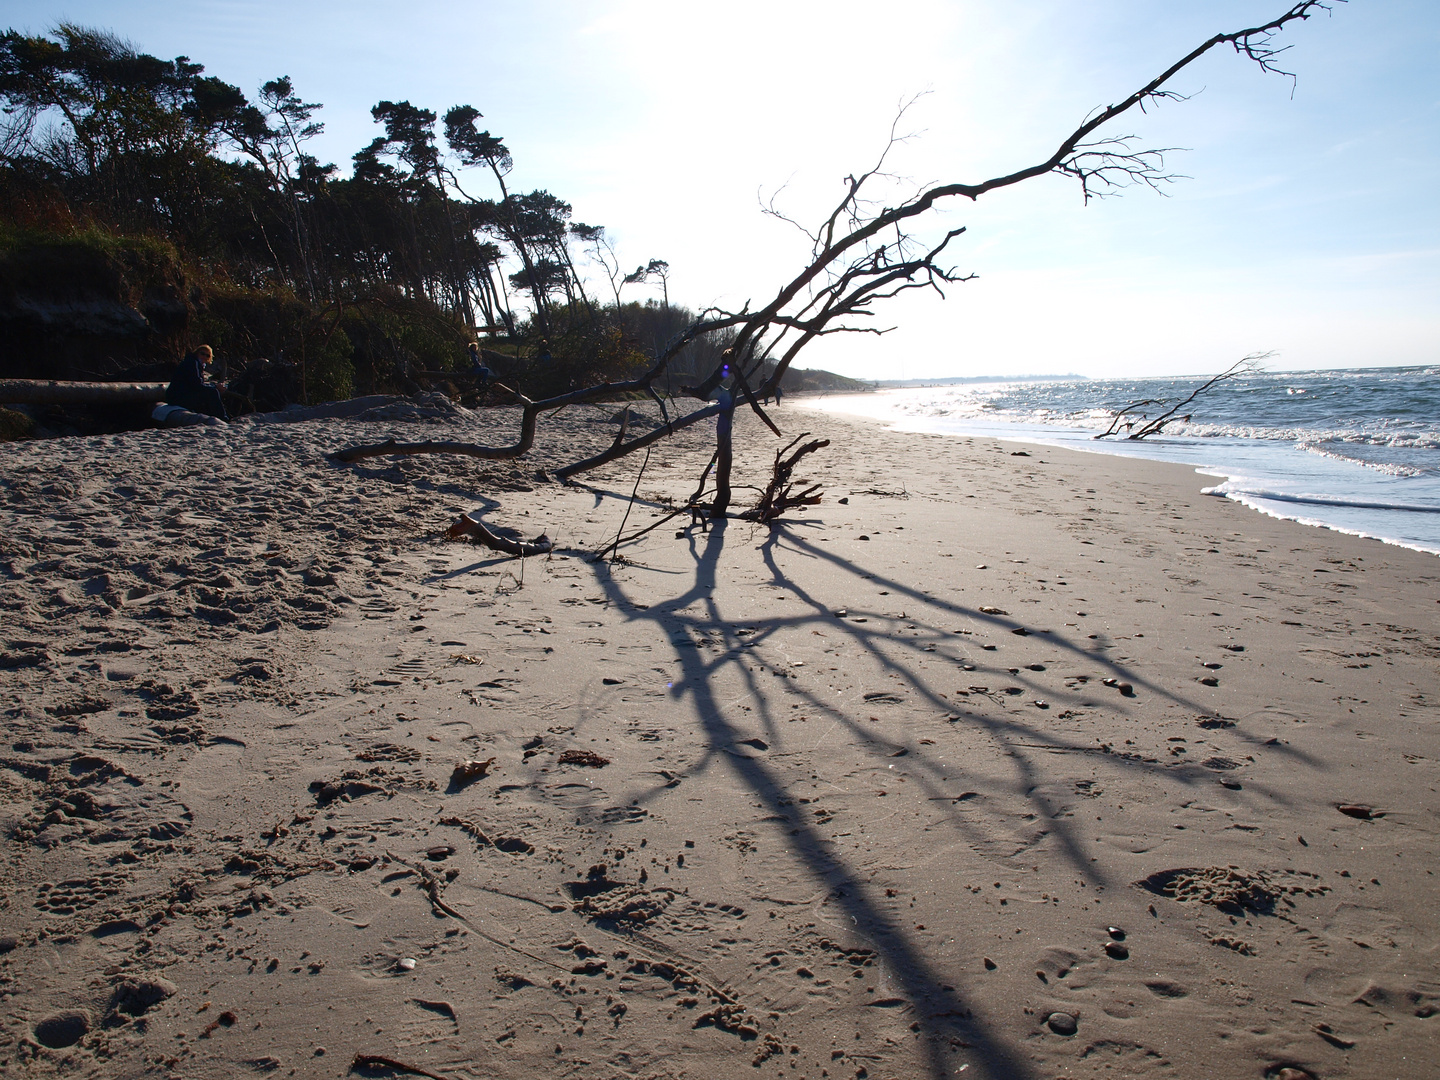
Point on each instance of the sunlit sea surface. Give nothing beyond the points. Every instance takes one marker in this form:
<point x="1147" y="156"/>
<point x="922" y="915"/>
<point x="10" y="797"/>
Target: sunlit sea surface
<point x="1355" y="450"/>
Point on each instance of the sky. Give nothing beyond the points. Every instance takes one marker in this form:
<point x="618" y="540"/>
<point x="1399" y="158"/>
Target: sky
<point x="1308" y="226"/>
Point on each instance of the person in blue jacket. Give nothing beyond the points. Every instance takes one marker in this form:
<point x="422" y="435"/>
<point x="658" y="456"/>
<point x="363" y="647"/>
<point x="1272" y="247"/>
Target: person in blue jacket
<point x="483" y="374"/>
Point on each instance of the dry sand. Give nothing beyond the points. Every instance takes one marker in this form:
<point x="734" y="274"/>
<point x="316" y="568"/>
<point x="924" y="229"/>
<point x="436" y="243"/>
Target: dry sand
<point x="884" y="789"/>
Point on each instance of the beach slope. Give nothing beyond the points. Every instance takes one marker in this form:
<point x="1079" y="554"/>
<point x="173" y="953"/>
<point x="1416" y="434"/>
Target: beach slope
<point x="998" y="762"/>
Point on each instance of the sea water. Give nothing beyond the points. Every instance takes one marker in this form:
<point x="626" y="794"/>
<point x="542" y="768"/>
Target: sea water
<point x="1357" y="450"/>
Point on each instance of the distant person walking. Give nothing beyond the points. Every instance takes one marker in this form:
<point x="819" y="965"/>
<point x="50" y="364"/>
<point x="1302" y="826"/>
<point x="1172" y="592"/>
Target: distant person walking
<point x="188" y="388"/>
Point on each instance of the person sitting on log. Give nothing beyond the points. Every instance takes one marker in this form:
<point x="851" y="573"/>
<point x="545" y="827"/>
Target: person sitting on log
<point x="189" y="390"/>
<point x="483" y="375"/>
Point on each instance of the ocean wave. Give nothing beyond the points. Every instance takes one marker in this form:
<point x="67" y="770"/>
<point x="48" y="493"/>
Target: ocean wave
<point x="1239" y="493"/>
<point x="1384" y="407"/>
<point x="1426" y="438"/>
<point x="1096" y="420"/>
<point x="1389" y="468"/>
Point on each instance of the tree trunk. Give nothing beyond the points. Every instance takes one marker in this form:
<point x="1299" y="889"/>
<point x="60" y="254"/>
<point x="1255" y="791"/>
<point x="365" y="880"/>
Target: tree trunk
<point x="53" y="392"/>
<point x="724" y="453"/>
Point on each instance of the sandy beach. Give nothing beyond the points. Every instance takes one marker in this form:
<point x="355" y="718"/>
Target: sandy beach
<point x="998" y="762"/>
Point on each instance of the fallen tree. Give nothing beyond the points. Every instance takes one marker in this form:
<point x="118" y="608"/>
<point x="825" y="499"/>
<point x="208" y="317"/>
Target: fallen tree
<point x="861" y="254"/>
<point x="56" y="392"/>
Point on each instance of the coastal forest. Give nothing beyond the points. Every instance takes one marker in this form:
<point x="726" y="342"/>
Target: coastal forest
<point x="149" y="207"/>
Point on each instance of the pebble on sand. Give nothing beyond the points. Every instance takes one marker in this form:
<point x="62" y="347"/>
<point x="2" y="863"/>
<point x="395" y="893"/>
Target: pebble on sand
<point x="1062" y="1023"/>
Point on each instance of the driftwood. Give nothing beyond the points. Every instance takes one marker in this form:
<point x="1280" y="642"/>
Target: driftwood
<point x="390" y="448"/>
<point x="530" y="412"/>
<point x="465" y="525"/>
<point x="54" y="392"/>
<point x="779" y="495"/>
<point x="1118" y="423"/>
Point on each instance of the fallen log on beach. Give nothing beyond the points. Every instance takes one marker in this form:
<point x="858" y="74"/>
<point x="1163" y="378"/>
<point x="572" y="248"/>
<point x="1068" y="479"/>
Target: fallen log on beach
<point x="56" y="392"/>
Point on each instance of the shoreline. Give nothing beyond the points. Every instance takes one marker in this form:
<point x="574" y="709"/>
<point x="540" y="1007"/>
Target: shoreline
<point x="868" y="800"/>
<point x="1229" y="459"/>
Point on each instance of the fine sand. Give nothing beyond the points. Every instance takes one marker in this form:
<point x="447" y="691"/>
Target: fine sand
<point x="1012" y="765"/>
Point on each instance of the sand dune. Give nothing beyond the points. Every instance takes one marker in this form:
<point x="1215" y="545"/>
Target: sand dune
<point x="1009" y="765"/>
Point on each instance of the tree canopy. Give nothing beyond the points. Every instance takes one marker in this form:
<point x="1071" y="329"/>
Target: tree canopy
<point x="96" y="133"/>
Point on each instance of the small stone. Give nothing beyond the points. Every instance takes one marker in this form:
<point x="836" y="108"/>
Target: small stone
<point x="1116" y="951"/>
<point x="63" y="1029"/>
<point x="989" y="964"/>
<point x="1062" y="1023"/>
<point x="406" y="963"/>
<point x="8" y="943"/>
<point x="1115" y="932"/>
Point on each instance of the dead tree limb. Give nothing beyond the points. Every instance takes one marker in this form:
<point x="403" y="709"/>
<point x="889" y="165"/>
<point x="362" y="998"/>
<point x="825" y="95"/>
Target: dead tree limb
<point x="862" y="255"/>
<point x="637" y="443"/>
<point x="391" y="448"/>
<point x="779" y="495"/>
<point x="634" y="493"/>
<point x="466" y="525"/>
<point x="1118" y="421"/>
<point x="704" y="477"/>
<point x="1244" y="366"/>
<point x="620" y="541"/>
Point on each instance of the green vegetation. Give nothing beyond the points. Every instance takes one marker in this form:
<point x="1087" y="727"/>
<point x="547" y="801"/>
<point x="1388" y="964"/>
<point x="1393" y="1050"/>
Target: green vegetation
<point x="148" y="207"/>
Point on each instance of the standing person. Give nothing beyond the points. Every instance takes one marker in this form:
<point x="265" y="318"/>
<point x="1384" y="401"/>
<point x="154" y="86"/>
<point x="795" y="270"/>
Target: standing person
<point x="188" y="388"/>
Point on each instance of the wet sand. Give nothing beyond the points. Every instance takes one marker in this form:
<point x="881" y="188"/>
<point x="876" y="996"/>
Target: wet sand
<point x="1014" y="764"/>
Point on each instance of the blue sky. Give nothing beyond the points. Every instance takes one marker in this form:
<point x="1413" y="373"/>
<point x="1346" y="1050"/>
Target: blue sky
<point x="1310" y="224"/>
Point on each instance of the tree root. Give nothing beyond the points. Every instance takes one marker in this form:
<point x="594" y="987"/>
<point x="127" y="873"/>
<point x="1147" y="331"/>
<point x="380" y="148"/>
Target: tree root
<point x="779" y="495"/>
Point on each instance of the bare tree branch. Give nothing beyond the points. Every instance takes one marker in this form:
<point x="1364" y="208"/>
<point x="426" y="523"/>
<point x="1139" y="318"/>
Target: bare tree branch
<point x="862" y="255"/>
<point x="1244" y="366"/>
